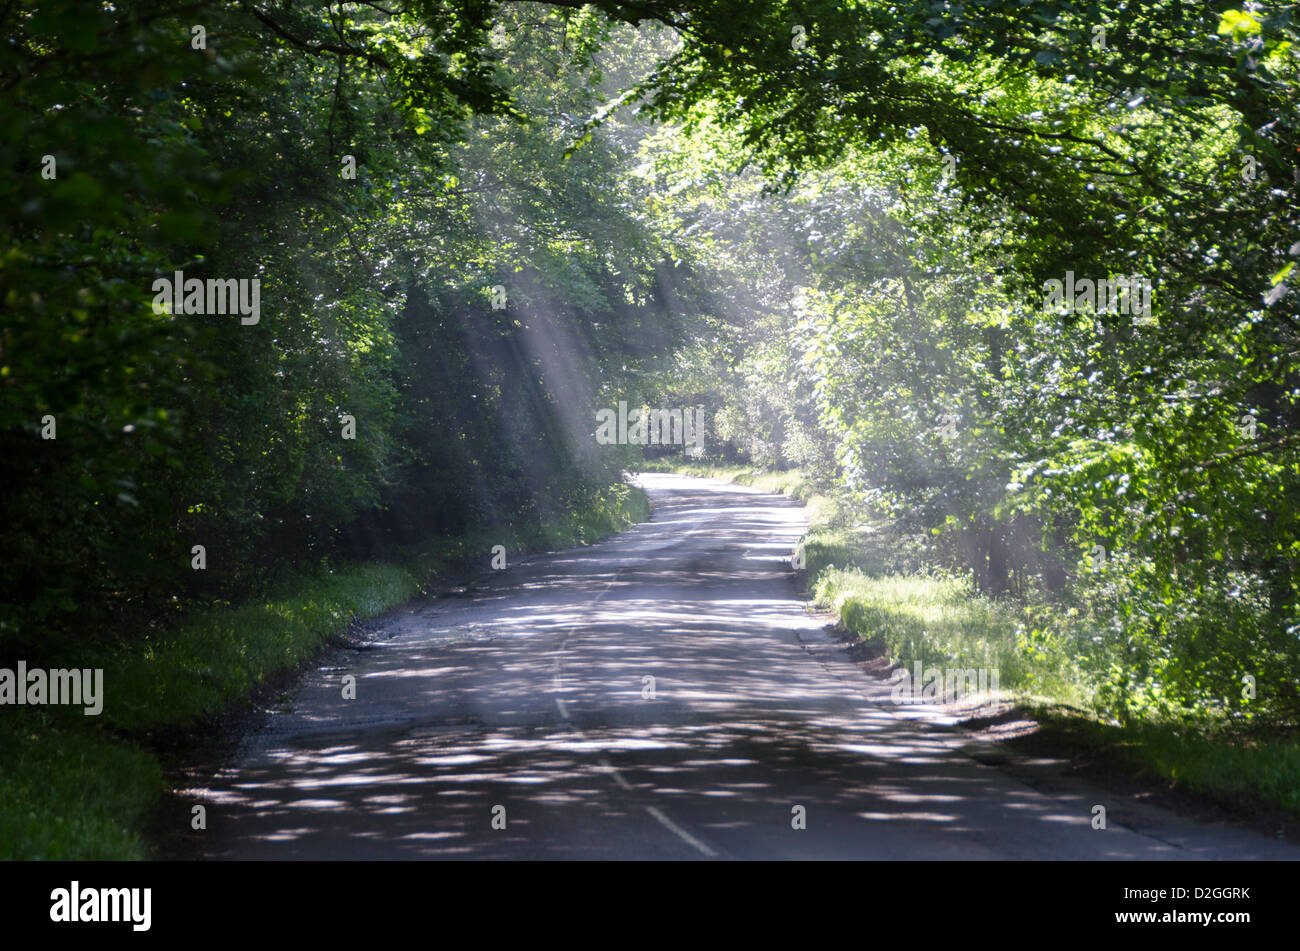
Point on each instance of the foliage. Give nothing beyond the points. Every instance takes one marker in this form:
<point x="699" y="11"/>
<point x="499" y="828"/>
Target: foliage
<point x="928" y="170"/>
<point x="367" y="165"/>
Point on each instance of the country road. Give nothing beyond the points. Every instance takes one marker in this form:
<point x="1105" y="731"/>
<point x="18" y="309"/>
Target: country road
<point x="527" y="704"/>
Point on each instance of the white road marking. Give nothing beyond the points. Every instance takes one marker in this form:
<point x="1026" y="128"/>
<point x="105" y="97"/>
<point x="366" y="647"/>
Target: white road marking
<point x="679" y="831"/>
<point x="609" y="767"/>
<point x="613" y="770"/>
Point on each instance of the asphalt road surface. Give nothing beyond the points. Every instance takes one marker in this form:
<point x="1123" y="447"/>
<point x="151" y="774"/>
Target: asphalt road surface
<point x="518" y="722"/>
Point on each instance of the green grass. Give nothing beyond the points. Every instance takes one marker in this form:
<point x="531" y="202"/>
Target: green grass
<point x="1231" y="765"/>
<point x="71" y="794"/>
<point x="1224" y="764"/>
<point x="222" y="652"/>
<point x="938" y="620"/>
<point x="78" y="787"/>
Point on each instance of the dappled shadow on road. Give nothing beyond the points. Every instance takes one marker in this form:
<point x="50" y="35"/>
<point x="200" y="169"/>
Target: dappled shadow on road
<point x="731" y="762"/>
<point x="660" y="672"/>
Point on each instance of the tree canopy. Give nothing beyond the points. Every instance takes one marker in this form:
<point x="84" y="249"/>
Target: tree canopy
<point x="1016" y="275"/>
